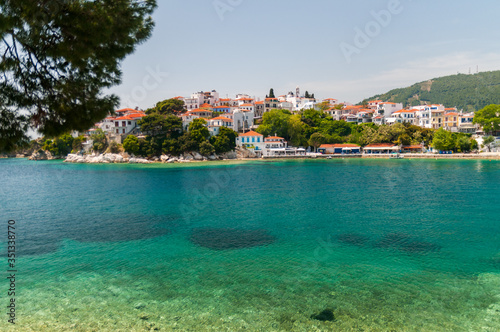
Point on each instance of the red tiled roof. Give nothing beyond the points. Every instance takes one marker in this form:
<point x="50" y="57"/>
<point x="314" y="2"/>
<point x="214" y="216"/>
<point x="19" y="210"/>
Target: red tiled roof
<point x="250" y="133"/>
<point x="324" y="146"/>
<point x="222" y="118"/>
<point x="381" y="145"/>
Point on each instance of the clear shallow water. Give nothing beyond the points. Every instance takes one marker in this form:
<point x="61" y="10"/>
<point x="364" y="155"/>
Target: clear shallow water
<point x="404" y="245"/>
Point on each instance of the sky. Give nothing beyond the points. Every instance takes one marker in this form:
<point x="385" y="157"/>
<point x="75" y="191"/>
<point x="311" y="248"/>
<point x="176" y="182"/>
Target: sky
<point x="347" y="50"/>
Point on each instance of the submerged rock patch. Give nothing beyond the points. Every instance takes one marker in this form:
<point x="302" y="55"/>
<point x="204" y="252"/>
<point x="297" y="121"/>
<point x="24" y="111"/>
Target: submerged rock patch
<point x="324" y="316"/>
<point x="406" y="243"/>
<point x="227" y="239"/>
<point x="118" y="230"/>
<point x="393" y="240"/>
<point x="353" y="239"/>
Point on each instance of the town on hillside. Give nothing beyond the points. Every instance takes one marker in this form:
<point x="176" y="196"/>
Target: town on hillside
<point x="254" y="128"/>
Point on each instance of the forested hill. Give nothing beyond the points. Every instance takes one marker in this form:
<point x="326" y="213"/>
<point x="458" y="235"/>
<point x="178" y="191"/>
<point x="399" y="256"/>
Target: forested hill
<point x="467" y="92"/>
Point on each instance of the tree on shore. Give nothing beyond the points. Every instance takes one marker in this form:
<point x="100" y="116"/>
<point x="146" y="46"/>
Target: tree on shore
<point x="443" y="140"/>
<point x="488" y="118"/>
<point x="487" y="142"/>
<point x="58" y="59"/>
<point x="131" y="144"/>
<point x="316" y="140"/>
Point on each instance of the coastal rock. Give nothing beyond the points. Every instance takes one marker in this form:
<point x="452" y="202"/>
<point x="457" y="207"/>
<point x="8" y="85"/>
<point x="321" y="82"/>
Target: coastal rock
<point x="197" y="156"/>
<point x="188" y="157"/>
<point x="213" y="157"/>
<point x="229" y="155"/>
<point x="38" y="155"/>
<point x="164" y="158"/>
<point x="20" y="155"/>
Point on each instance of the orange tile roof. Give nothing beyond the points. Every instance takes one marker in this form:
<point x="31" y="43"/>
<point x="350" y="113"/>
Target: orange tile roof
<point x="198" y="110"/>
<point x="250" y="133"/>
<point x="246" y="105"/>
<point x="380" y="145"/>
<point x="274" y="137"/>
<point x="324" y="146"/>
<point x="206" y="106"/>
<point x="126" y="110"/>
<point x="221" y="118"/>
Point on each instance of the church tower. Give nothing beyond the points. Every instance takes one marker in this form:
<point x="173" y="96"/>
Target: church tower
<point x="297" y="92"/>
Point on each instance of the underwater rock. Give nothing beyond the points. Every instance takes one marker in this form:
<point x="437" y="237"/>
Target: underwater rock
<point x="417" y="247"/>
<point x="325" y="316"/>
<point x="226" y="239"/>
<point x="353" y="239"/>
<point x="406" y="243"/>
<point x="129" y="228"/>
<point x="393" y="240"/>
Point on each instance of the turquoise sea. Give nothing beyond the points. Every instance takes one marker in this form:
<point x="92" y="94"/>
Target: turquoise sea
<point x="384" y="245"/>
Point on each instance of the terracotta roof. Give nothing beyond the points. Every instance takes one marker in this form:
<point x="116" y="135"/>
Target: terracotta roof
<point x="274" y="137"/>
<point x="250" y="133"/>
<point x="381" y="145"/>
<point x="222" y="118"/>
<point x="324" y="146"/>
<point x="126" y="110"/>
<point x="126" y="118"/>
<point x="246" y="105"/>
<point x="206" y="106"/>
<point x="199" y="110"/>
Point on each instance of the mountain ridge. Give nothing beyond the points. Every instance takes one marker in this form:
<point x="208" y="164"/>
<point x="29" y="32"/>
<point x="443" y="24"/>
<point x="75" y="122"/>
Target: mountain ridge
<point x="467" y="92"/>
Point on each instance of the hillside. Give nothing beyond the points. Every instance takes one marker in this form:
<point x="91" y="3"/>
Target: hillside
<point x="467" y="92"/>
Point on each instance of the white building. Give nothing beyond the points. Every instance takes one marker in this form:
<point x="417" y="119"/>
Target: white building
<point x="386" y="109"/>
<point x="215" y="124"/>
<point x="251" y="141"/>
<point x="242" y="120"/>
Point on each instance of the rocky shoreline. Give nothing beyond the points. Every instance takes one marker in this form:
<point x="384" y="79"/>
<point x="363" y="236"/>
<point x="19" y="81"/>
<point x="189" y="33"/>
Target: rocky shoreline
<point x="114" y="158"/>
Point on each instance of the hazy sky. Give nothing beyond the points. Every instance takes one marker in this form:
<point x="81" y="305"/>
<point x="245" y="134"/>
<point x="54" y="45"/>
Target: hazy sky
<point x="348" y="50"/>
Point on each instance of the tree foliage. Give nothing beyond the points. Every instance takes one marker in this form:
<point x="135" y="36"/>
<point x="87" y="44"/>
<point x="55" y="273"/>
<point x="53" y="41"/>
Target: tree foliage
<point x="225" y="141"/>
<point x="168" y="106"/>
<point x="443" y="140"/>
<point x="58" y="59"/>
<point x="488" y="118"/>
<point x="100" y="141"/>
<point x="131" y="144"/>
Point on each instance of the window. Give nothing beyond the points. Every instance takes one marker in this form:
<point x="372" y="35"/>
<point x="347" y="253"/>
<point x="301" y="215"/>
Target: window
<point x="129" y="123"/>
<point x="124" y="131"/>
<point x="117" y="124"/>
<point x="258" y="139"/>
<point x="253" y="139"/>
<point x="124" y="123"/>
<point x="117" y="131"/>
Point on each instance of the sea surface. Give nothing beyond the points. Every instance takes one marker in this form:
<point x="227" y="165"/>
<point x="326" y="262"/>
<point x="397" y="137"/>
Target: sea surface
<point x="383" y="245"/>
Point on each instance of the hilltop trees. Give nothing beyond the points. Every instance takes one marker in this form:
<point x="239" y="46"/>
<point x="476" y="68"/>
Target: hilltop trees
<point x="168" y="106"/>
<point x="58" y="59"/>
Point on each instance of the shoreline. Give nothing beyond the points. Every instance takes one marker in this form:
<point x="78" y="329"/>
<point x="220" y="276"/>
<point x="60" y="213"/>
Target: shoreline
<point x="489" y="156"/>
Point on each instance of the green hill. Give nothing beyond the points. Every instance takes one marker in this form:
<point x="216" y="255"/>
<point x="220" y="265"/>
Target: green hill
<point x="466" y="92"/>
